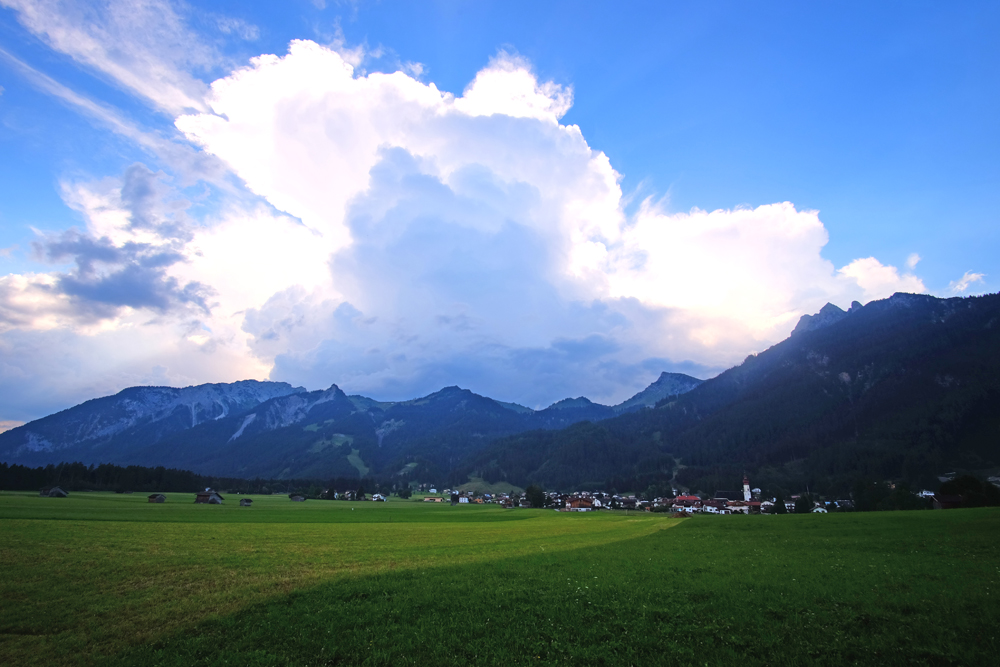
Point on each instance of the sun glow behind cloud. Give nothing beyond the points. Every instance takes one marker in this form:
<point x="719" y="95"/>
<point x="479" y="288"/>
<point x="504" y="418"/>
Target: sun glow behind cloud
<point x="414" y="239"/>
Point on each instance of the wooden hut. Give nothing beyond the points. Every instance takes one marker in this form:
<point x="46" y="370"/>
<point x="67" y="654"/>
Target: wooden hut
<point x="208" y="497"/>
<point x="157" y="498"/>
<point x="245" y="502"/>
<point x="52" y="492"/>
<point x="297" y="499"/>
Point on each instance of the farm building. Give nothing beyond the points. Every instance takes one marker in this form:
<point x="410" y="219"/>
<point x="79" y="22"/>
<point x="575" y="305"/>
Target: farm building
<point x="157" y="498"/>
<point x="297" y="499"/>
<point x="245" y="502"/>
<point x="208" y="497"/>
<point x="945" y="502"/>
<point x="52" y="492"/>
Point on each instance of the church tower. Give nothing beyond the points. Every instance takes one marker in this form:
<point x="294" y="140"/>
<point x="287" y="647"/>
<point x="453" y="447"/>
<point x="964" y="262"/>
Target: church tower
<point x="746" y="489"/>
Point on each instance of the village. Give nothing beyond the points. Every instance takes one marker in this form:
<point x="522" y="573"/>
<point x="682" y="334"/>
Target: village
<point x="747" y="501"/>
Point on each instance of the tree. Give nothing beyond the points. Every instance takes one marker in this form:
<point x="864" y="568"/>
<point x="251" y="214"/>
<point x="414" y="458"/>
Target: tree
<point x="535" y="495"/>
<point x="803" y="504"/>
<point x="779" y="505"/>
<point x="404" y="492"/>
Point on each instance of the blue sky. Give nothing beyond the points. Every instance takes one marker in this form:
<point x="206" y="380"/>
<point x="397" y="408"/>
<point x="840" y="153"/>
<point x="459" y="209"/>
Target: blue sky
<point x="549" y="199"/>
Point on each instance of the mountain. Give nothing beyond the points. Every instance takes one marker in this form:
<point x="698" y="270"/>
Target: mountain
<point x="904" y="389"/>
<point x="100" y="428"/>
<point x="251" y="429"/>
<point x="668" y="384"/>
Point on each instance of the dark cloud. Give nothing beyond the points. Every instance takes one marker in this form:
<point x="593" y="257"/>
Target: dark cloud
<point x="107" y="276"/>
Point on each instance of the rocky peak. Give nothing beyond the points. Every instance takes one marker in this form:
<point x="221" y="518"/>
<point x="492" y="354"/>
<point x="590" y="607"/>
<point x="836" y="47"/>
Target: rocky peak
<point x="828" y="314"/>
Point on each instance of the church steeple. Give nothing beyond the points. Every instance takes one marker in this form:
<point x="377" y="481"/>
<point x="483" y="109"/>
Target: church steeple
<point x="746" y="488"/>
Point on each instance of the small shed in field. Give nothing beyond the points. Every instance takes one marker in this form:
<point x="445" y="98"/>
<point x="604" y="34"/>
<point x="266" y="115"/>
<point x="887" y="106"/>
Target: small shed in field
<point x="245" y="502"/>
<point x="157" y="498"/>
<point x="297" y="499"/>
<point x="945" y="502"/>
<point x="208" y="498"/>
<point x="52" y="492"/>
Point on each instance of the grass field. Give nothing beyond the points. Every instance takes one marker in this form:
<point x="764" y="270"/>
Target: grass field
<point x="110" y="579"/>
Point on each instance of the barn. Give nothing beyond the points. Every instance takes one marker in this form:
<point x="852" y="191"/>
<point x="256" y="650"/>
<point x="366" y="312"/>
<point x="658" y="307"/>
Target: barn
<point x="157" y="498"/>
<point x="208" y="497"/>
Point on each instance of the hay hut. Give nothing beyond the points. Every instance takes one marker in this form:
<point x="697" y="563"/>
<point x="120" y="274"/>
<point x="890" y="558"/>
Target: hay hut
<point x="297" y="499"/>
<point x="157" y="498"/>
<point x="208" y="497"/>
<point x="245" y="502"/>
<point x="52" y="492"/>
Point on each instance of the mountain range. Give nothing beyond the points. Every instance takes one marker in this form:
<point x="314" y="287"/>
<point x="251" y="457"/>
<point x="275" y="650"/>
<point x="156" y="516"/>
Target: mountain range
<point x="273" y="430"/>
<point x="901" y="389"/>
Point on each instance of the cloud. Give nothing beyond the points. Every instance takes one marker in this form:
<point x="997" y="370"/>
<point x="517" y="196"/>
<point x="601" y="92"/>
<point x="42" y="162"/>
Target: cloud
<point x="233" y="26"/>
<point x="963" y="283"/>
<point x="912" y="261"/>
<point x="190" y="164"/>
<point x="878" y="280"/>
<point x="136" y="232"/>
<point x="420" y="239"/>
<point x="472" y="233"/>
<point x="144" y="46"/>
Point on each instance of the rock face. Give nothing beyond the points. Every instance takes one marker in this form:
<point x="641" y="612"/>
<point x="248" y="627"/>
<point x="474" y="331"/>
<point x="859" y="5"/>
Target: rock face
<point x="148" y="413"/>
<point x="828" y="314"/>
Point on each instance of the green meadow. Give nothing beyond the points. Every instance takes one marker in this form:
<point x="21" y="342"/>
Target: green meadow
<point x="105" y="579"/>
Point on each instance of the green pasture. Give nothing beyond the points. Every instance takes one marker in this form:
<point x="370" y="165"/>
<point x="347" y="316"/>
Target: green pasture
<point x="110" y="579"/>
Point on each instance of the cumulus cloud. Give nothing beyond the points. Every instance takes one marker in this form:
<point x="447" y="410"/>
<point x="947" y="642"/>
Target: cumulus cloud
<point x="423" y="239"/>
<point x="877" y="280"/>
<point x="468" y="235"/>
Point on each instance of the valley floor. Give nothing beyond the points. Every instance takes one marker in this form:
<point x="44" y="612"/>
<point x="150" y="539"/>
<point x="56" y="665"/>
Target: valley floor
<point x="111" y="579"/>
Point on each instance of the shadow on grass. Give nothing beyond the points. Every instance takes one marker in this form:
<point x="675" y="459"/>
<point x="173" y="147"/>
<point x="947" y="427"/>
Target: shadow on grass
<point x="890" y="588"/>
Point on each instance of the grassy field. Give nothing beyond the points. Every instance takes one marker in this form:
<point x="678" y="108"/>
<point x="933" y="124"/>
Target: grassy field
<point x="110" y="579"/>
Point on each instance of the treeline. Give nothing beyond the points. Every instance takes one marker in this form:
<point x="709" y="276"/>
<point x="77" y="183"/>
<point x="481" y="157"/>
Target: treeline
<point x="110" y="477"/>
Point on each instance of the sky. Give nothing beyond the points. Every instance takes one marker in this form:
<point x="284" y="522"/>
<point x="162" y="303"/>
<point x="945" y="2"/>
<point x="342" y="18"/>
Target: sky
<point x="529" y="200"/>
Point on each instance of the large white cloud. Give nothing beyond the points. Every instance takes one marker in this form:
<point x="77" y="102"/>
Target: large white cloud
<point x="466" y="230"/>
<point x="430" y="239"/>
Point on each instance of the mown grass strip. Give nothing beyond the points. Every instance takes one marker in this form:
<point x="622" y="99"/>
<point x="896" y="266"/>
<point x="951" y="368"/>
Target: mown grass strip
<point x="76" y="586"/>
<point x="867" y="589"/>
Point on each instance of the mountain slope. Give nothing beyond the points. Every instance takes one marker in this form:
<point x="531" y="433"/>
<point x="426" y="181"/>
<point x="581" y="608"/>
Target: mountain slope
<point x="250" y="429"/>
<point x="103" y="428"/>
<point x="901" y="388"/>
<point x="668" y="384"/>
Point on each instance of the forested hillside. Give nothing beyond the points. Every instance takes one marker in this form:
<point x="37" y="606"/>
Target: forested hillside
<point x="903" y="389"/>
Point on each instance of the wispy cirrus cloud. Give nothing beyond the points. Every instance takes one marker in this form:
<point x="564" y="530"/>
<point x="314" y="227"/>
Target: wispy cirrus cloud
<point x="144" y="47"/>
<point x="962" y="284"/>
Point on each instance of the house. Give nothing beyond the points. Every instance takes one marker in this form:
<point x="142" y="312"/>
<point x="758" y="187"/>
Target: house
<point x="378" y="497"/>
<point x="687" y="501"/>
<point x="297" y="498"/>
<point x="433" y="499"/>
<point x="52" y="492"/>
<point x="464" y="500"/>
<point x="245" y="502"/>
<point x="208" y="497"/>
<point x="942" y="502"/>
<point x="157" y="498"/>
<point x="579" y="505"/>
<point x="819" y="509"/>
